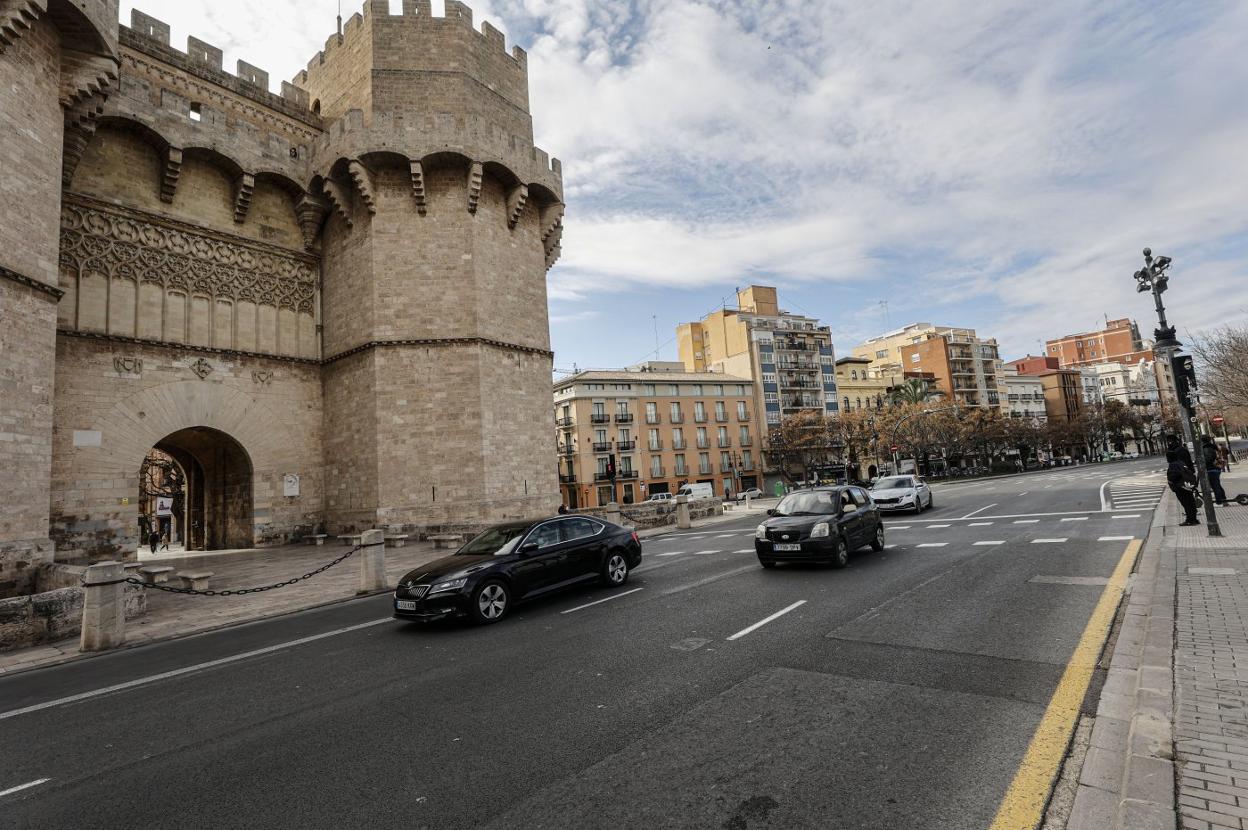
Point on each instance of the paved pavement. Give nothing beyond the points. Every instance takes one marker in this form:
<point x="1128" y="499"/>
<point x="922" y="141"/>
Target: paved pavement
<point x="904" y="691"/>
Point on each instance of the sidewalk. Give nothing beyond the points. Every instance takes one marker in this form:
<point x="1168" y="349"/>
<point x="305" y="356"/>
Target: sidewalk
<point x="170" y="616"/>
<point x="1174" y="708"/>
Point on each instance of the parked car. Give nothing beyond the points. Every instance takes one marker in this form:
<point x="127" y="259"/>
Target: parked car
<point x="819" y="525"/>
<point x="515" y="562"/>
<point x="751" y="492"/>
<point x="661" y="497"/>
<point x="902" y="493"/>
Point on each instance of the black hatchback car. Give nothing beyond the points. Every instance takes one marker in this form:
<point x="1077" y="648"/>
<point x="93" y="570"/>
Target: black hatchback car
<point x="517" y="561"/>
<point x="819" y="525"/>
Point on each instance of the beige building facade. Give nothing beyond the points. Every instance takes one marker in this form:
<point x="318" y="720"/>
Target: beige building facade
<point x="660" y="426"/>
<point x="860" y="386"/>
<point x="328" y="305"/>
<point x="962" y="365"/>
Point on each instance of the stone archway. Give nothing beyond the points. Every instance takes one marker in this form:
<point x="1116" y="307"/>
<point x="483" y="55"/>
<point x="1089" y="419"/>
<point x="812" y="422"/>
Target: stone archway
<point x="217" y="501"/>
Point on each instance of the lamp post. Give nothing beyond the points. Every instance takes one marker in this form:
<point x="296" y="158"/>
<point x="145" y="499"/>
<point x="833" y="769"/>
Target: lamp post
<point x="1153" y="278"/>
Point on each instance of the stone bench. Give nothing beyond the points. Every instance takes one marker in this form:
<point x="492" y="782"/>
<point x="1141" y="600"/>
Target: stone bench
<point x="396" y="540"/>
<point x="729" y="505"/>
<point x="156" y="574"/>
<point x="352" y="538"/>
<point x="318" y="538"/>
<point x="446" y="540"/>
<point x="195" y="580"/>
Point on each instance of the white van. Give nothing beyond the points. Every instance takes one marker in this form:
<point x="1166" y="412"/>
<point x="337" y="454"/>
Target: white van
<point x="704" y="490"/>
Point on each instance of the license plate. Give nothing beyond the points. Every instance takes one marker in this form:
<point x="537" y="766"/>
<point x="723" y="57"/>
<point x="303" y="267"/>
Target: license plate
<point x="787" y="546"/>
<point x="405" y="604"/>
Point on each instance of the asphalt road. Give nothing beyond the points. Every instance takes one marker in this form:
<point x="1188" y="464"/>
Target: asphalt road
<point x="900" y="692"/>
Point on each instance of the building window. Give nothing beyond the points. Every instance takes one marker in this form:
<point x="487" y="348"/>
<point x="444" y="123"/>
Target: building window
<point x="846" y="399"/>
<point x="747" y="460"/>
<point x="771" y="396"/>
<point x="857" y="403"/>
<point x="853" y="374"/>
<point x="719" y="389"/>
<point x="882" y="353"/>
<point x="675" y="412"/>
<point x="914" y="358"/>
<point x="673" y="389"/>
<point x="656" y="466"/>
<point x="197" y="113"/>
<point x="725" y="461"/>
<point x="740" y="389"/>
<point x="600" y="436"/>
<point x="678" y="439"/>
<point x="744" y="436"/>
<point x="727" y="487"/>
<point x="702" y="437"/>
<point x="699" y="411"/>
<point x="704" y="463"/>
<point x="654" y="440"/>
<point x="769" y="377"/>
<point x="722" y="436"/>
<point x="773" y="417"/>
<point x="652" y="412"/>
<point x="648" y="388"/>
<point x="741" y="415"/>
<point x="681" y="468"/>
<point x="721" y="411"/>
<point x="697" y="389"/>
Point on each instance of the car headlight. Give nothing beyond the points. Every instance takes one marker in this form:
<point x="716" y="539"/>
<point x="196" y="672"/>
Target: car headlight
<point x="760" y="532"/>
<point x="819" y="531"/>
<point x="449" y="585"/>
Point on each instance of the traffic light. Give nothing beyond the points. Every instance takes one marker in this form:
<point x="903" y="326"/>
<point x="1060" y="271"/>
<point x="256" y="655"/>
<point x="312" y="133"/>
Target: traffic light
<point x="1185" y="379"/>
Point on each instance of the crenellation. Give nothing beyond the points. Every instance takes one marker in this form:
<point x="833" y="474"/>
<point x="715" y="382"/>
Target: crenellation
<point x="253" y="75"/>
<point x="197" y="51"/>
<point x="149" y="27"/>
<point x="295" y="95"/>
<point x="457" y="11"/>
<point x="494" y="36"/>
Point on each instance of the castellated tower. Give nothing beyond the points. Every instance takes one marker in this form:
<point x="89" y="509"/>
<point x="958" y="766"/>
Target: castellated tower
<point x="440" y="221"/>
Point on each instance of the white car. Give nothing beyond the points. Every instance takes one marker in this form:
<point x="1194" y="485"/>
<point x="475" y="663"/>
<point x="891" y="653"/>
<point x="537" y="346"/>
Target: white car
<point x="752" y="492"/>
<point x="661" y="497"/>
<point x="902" y="493"/>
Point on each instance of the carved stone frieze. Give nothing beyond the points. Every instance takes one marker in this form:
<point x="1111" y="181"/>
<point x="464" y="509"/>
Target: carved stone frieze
<point x="130" y="245"/>
<point x="202" y="368"/>
<point x="262" y="376"/>
<point x="128" y="365"/>
<point x="476" y="175"/>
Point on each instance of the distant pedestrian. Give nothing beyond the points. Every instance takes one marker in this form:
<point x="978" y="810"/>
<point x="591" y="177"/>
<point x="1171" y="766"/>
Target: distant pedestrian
<point x="164" y="541"/>
<point x="563" y="508"/>
<point x="153" y="539"/>
<point x="1213" y="467"/>
<point x="1182" y="479"/>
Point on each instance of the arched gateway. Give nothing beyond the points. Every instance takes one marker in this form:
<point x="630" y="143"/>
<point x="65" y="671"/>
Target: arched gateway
<point x="201" y="478"/>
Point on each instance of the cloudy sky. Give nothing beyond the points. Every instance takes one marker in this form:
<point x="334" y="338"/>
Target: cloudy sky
<point x="997" y="165"/>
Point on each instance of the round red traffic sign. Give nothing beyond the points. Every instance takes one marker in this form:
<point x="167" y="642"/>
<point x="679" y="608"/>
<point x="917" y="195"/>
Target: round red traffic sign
<point x="895" y="448"/>
<point x="1218" y="419"/>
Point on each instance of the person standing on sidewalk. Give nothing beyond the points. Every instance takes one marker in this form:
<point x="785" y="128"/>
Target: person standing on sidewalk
<point x="1213" y="465"/>
<point x="1181" y="478"/>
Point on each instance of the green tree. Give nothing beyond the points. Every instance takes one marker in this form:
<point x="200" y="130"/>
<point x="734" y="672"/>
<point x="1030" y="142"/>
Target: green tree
<point x="914" y="391"/>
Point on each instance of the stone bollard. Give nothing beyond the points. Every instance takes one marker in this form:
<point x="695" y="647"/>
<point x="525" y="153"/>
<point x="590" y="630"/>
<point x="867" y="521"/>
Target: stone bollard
<point x="372" y="562"/>
<point x="682" y="513"/>
<point x="103" y="607"/>
<point x="613" y="512"/>
<point x="748" y="498"/>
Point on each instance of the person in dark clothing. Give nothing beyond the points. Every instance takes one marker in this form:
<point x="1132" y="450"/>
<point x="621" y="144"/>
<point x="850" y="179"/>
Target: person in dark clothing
<point x="1176" y="445"/>
<point x="1180" y="477"/>
<point x="1213" y="460"/>
<point x="153" y="539"/>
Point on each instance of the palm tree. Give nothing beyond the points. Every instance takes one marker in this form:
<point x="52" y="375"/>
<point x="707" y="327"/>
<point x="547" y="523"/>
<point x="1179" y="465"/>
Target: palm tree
<point x="914" y="390"/>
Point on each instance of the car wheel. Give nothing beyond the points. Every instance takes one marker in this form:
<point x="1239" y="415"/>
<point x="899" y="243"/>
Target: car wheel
<point x="929" y="502"/>
<point x="490" y="602"/>
<point x="840" y="555"/>
<point x="615" y="571"/>
<point x="877" y="544"/>
<point x="767" y="563"/>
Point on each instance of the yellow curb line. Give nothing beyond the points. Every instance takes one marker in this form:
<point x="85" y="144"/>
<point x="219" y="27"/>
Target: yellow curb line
<point x="1024" y="802"/>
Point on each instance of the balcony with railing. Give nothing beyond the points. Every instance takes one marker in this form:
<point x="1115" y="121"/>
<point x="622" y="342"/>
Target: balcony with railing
<point x="743" y="416"/>
<point x="680" y="472"/>
<point x="699" y="417"/>
<point x="747" y="441"/>
<point x="705" y="470"/>
<point x="563" y="422"/>
<point x="677" y="418"/>
<point x="626" y="474"/>
<point x="624" y="418"/>
<point x="658" y="472"/>
<point x="567" y="478"/>
<point x="723" y="443"/>
<point x="653" y="419"/>
<point x="626" y="446"/>
<point x="704" y="443"/>
<point x="679" y="444"/>
<point x="567" y="449"/>
<point x="602" y="476"/>
<point x="721" y="417"/>
<point x="600" y="418"/>
<point x="802" y="403"/>
<point x="655" y="446"/>
<point x="602" y="446"/>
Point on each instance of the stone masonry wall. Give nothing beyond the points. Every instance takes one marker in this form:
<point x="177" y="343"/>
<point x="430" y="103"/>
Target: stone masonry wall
<point x="115" y="401"/>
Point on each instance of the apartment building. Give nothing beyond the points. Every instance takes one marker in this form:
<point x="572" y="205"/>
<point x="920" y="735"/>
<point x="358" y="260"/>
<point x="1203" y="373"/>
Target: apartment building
<point x="1063" y="388"/>
<point x="660" y="426"/>
<point x="1130" y="384"/>
<point x="788" y="357"/>
<point x="1024" y="396"/>
<point x="860" y="386"/>
<point x="1118" y="342"/>
<point x="964" y="366"/>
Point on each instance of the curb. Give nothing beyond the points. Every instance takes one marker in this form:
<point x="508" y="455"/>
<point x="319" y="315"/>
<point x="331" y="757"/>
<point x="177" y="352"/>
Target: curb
<point x="1127" y="778"/>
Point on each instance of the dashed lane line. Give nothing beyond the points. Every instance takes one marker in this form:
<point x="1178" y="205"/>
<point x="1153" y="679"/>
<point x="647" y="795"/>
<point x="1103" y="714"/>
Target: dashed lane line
<point x="980" y="510"/>
<point x="601" y="601"/>
<point x="932" y="527"/>
<point x="1026" y="521"/>
<point x="1047" y="541"/>
<point x="707" y="552"/>
<point x="1075" y="519"/>
<point x="932" y="545"/>
<point x="899" y="527"/>
<point x="1128" y="516"/>
<point x="979" y="524"/>
<point x="671" y="553"/>
<point x="990" y="542"/>
<point x="25" y="786"/>
<point x="745" y="550"/>
<point x="708" y="580"/>
<point x="766" y="620"/>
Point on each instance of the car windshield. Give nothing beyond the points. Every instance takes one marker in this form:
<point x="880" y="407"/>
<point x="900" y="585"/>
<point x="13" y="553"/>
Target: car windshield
<point x="893" y="483"/>
<point x="497" y="541"/>
<point x="814" y="503"/>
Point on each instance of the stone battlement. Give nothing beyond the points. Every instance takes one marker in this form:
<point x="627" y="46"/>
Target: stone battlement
<point x="151" y="36"/>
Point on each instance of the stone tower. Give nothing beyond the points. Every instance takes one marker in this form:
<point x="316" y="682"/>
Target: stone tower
<point x="58" y="62"/>
<point x="442" y="219"/>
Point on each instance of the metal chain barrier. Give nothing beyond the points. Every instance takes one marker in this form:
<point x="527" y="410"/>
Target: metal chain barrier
<point x="234" y="592"/>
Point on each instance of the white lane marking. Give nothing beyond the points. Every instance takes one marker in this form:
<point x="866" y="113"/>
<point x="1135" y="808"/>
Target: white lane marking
<point x="980" y="510"/>
<point x="1104" y="499"/>
<point x="932" y="545"/>
<point x="1075" y="519"/>
<point x="728" y="535"/>
<point x="1128" y="516"/>
<point x="707" y="552"/>
<point x="993" y="542"/>
<point x="1047" y="541"/>
<point x="1115" y="538"/>
<point x="898" y="527"/>
<point x="766" y="620"/>
<point x="1026" y="521"/>
<point x="979" y="524"/>
<point x="745" y="550"/>
<point x="708" y="580"/>
<point x="929" y="527"/>
<point x="672" y="553"/>
<point x="1025" y="492"/>
<point x="25" y="786"/>
<point x="600" y="601"/>
<point x="143" y="681"/>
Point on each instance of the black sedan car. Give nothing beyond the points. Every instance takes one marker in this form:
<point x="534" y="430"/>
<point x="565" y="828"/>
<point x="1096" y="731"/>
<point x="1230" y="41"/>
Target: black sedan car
<point x="819" y="525"/>
<point x="517" y="561"/>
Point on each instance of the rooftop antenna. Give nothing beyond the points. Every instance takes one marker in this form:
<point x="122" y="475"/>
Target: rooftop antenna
<point x="657" y="347"/>
<point x="888" y="323"/>
<point x="339" y="21"/>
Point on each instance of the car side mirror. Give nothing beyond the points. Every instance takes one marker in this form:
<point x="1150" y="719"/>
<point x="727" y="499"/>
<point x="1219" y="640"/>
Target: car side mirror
<point x="771" y="511"/>
<point x="528" y="548"/>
